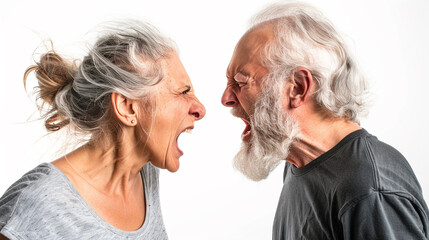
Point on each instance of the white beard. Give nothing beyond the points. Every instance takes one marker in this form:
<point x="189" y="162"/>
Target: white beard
<point x="273" y="132"/>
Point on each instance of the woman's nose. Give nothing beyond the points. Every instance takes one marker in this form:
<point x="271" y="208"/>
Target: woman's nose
<point x="197" y="110"/>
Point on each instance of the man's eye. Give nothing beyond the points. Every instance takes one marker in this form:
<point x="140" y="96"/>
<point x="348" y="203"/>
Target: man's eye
<point x="241" y="84"/>
<point x="241" y="79"/>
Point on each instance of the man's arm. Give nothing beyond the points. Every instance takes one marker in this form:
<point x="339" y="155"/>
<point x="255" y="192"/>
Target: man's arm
<point x="385" y="215"/>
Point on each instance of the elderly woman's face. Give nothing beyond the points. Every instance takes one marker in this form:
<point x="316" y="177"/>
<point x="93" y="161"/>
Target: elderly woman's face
<point x="176" y="108"/>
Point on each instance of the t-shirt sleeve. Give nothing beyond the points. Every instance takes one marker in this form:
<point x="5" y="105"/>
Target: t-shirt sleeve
<point x="19" y="201"/>
<point x="10" y="199"/>
<point x="385" y="215"/>
<point x="8" y="204"/>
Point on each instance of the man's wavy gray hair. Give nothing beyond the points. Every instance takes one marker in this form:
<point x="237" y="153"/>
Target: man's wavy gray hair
<point x="305" y="37"/>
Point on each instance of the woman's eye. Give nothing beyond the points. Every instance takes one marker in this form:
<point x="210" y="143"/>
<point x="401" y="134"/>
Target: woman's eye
<point x="186" y="91"/>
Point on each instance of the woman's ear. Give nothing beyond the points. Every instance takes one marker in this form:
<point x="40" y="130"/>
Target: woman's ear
<point x="125" y="109"/>
<point x="302" y="81"/>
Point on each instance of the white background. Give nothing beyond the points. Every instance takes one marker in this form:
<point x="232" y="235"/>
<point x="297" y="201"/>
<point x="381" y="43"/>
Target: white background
<point x="206" y="198"/>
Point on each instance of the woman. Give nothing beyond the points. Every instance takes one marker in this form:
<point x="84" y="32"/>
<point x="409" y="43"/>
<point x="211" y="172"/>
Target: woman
<point x="133" y="97"/>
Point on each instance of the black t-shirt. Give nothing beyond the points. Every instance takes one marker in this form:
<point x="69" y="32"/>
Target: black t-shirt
<point x="360" y="189"/>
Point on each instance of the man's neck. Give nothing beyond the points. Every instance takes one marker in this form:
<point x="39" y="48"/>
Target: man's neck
<point x="316" y="138"/>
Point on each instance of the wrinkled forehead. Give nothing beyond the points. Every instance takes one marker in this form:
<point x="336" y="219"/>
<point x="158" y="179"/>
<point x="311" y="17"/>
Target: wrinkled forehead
<point x="250" y="48"/>
<point x="257" y="37"/>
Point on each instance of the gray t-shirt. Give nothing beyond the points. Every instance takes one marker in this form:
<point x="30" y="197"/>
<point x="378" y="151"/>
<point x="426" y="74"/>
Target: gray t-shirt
<point x="44" y="204"/>
<point x="360" y="189"/>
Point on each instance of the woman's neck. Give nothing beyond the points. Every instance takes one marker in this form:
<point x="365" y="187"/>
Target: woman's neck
<point x="111" y="168"/>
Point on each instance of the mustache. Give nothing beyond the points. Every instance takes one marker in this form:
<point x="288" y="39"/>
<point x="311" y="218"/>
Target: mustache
<point x="239" y="113"/>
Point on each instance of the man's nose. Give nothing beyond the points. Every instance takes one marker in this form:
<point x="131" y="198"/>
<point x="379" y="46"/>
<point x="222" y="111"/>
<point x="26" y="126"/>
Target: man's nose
<point x="228" y="98"/>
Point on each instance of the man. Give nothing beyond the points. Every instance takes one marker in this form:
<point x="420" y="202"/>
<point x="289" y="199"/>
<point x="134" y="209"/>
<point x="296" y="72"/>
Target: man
<point x="300" y="94"/>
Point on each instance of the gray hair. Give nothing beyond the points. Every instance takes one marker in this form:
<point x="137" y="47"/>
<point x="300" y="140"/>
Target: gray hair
<point x="306" y="38"/>
<point x="124" y="59"/>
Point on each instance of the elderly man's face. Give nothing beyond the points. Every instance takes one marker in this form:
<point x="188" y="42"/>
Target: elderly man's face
<point x="245" y="73"/>
<point x="269" y="129"/>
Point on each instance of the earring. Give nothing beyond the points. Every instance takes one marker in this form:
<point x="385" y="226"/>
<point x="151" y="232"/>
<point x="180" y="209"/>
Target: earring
<point x="133" y="121"/>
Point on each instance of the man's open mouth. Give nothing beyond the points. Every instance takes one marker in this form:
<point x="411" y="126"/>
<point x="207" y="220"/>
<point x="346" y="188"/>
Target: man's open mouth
<point x="247" y="133"/>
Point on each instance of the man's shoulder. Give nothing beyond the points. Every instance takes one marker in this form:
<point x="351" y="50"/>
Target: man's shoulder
<point x="367" y="159"/>
<point x="385" y="156"/>
<point x="375" y="166"/>
<point x="392" y="170"/>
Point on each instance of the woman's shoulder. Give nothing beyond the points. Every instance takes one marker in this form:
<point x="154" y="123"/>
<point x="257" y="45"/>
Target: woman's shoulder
<point x="32" y="179"/>
<point x="29" y="195"/>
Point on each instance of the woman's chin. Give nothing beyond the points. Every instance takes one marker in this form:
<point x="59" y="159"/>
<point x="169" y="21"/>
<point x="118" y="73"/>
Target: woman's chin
<point x="173" y="166"/>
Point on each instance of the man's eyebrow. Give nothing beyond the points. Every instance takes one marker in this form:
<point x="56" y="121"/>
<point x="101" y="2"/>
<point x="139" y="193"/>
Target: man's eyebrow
<point x="241" y="77"/>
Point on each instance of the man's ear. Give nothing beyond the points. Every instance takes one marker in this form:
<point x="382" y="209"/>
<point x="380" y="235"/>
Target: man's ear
<point x="302" y="81"/>
<point x="125" y="109"/>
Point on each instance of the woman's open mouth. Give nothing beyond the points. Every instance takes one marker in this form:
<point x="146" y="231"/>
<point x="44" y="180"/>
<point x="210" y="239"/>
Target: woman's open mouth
<point x="187" y="130"/>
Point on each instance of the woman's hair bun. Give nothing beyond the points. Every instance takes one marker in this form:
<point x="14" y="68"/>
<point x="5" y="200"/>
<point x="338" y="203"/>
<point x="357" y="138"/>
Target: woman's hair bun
<point x="53" y="74"/>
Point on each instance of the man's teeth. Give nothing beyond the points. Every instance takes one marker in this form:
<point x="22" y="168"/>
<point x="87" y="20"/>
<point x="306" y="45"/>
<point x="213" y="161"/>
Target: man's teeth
<point x="188" y="130"/>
